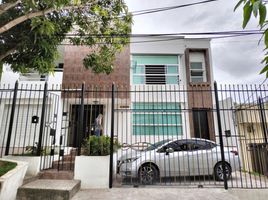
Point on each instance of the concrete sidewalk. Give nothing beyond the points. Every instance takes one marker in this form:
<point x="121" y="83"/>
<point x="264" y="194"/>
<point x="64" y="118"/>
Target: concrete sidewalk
<point x="171" y="194"/>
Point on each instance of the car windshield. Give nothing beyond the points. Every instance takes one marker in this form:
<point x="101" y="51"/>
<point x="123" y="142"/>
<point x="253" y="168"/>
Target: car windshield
<point x="156" y="145"/>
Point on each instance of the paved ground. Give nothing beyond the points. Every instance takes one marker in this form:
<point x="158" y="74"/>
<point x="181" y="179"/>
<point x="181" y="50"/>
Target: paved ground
<point x="238" y="180"/>
<point x="170" y="194"/>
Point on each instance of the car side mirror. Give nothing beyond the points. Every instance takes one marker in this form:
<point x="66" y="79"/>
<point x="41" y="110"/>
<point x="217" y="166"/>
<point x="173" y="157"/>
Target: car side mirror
<point x="169" y="150"/>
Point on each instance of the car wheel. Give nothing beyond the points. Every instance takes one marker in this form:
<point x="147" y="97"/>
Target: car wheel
<point x="218" y="171"/>
<point x="148" y="174"/>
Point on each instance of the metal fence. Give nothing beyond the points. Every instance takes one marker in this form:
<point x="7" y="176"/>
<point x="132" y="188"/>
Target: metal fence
<point x="167" y="135"/>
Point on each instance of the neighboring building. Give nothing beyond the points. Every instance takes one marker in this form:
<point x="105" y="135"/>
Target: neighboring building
<point x="28" y="107"/>
<point x="252" y="132"/>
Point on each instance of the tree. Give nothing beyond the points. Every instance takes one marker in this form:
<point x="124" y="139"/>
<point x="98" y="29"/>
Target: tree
<point x="31" y="30"/>
<point x="258" y="9"/>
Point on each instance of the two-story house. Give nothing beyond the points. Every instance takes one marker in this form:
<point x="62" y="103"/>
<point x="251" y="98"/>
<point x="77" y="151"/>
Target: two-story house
<point x="163" y="89"/>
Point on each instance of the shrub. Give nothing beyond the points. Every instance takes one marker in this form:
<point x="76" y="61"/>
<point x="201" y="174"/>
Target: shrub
<point x="98" y="146"/>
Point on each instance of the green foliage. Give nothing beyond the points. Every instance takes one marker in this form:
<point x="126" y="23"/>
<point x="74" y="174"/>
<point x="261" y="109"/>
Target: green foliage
<point x="32" y="151"/>
<point x="258" y="8"/>
<point x="34" y="42"/>
<point x="98" y="146"/>
<point x="6" y="166"/>
<point x="247" y="14"/>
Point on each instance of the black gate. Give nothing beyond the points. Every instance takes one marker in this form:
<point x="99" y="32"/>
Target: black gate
<point x="29" y="121"/>
<point x="176" y="136"/>
<point x="164" y="135"/>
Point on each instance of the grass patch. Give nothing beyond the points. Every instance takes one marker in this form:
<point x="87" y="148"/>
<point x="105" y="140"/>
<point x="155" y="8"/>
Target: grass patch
<point x="6" y="166"/>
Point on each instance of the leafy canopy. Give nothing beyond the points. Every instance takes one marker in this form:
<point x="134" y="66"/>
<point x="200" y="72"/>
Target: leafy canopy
<point x="31" y="31"/>
<point x="258" y="9"/>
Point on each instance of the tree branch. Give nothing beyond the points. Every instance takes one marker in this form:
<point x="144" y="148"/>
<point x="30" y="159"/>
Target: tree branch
<point x="6" y="6"/>
<point x="7" y="53"/>
<point x="25" y="17"/>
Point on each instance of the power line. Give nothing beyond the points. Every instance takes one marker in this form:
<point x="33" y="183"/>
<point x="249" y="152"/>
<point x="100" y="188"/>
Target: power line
<point x="255" y="90"/>
<point x="247" y="32"/>
<point x="162" y="9"/>
<point x="178" y="37"/>
<point x="155" y="10"/>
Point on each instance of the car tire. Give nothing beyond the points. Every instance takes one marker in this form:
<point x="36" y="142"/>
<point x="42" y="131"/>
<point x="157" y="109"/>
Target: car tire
<point x="148" y="174"/>
<point x="218" y="171"/>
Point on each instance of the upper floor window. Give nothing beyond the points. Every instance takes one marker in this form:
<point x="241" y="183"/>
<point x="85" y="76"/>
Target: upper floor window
<point x="197" y="67"/>
<point x="155" y="69"/>
<point x="33" y="76"/>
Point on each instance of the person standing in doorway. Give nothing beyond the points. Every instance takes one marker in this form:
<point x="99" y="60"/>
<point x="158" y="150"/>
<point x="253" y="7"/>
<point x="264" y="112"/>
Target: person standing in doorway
<point x="98" y="125"/>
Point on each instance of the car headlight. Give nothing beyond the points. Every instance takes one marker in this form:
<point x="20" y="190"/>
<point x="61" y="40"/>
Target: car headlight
<point x="129" y="160"/>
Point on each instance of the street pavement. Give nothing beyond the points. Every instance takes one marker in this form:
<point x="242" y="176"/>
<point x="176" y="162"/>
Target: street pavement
<point x="166" y="193"/>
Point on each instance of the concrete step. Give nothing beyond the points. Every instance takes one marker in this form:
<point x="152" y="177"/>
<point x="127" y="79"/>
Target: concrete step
<point x="49" y="190"/>
<point x="73" y="152"/>
<point x="55" y="174"/>
<point x="65" y="165"/>
<point x="28" y="179"/>
<point x="69" y="158"/>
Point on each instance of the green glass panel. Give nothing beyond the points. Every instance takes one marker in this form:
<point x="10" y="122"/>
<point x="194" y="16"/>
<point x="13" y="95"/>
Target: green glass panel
<point x="138" y="80"/>
<point x="155" y="59"/>
<point x="172" y="80"/>
<point x="138" y="70"/>
<point x="197" y="79"/>
<point x="172" y="69"/>
<point x="157" y="130"/>
<point x="154" y="119"/>
<point x="156" y="107"/>
<point x="196" y="65"/>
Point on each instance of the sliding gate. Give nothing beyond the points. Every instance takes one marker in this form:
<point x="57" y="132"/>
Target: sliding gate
<point x="175" y="136"/>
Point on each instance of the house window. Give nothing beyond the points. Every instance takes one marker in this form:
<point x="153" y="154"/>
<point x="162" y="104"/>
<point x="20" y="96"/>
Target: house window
<point x="155" y="70"/>
<point x="197" y="67"/>
<point x="157" y="119"/>
<point x="59" y="67"/>
<point x="33" y="76"/>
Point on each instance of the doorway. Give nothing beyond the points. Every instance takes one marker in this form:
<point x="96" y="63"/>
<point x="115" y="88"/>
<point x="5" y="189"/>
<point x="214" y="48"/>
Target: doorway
<point x="91" y="112"/>
<point x="200" y="121"/>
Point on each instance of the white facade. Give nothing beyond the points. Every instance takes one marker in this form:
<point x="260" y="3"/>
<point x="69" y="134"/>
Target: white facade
<point x="142" y="92"/>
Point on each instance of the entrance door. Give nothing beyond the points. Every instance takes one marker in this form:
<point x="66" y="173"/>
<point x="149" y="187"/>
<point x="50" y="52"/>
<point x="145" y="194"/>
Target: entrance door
<point x="91" y="112"/>
<point x="200" y="121"/>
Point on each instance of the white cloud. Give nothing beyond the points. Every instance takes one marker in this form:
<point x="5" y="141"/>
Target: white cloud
<point x="235" y="60"/>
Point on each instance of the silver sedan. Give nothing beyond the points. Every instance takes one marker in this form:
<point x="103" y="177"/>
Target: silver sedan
<point x="185" y="157"/>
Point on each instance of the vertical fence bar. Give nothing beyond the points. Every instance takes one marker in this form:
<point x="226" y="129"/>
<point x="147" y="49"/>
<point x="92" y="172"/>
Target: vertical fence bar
<point x="42" y="122"/>
<point x="81" y="120"/>
<point x="11" y="118"/>
<point x="112" y="139"/>
<point x="263" y="121"/>
<point x="220" y="135"/>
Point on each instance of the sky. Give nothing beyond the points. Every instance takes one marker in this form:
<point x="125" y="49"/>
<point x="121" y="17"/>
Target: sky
<point x="234" y="60"/>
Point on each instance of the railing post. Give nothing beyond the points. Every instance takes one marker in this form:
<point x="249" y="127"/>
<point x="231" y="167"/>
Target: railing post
<point x="263" y="120"/>
<point x="11" y="117"/>
<point x="42" y="121"/>
<point x="112" y="139"/>
<point x="220" y="135"/>
<point x="81" y="120"/>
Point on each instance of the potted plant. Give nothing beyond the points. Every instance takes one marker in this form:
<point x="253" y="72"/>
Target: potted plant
<point x="92" y="168"/>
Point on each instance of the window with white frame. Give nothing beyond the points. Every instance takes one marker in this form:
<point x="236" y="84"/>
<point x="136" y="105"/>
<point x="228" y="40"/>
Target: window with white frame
<point x="157" y="118"/>
<point x="155" y="69"/>
<point x="33" y="76"/>
<point x="197" y="67"/>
